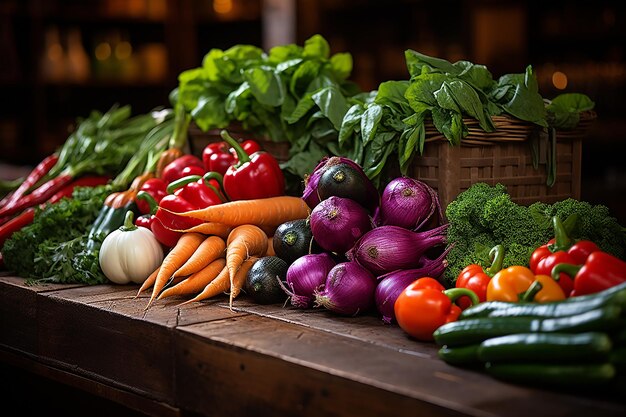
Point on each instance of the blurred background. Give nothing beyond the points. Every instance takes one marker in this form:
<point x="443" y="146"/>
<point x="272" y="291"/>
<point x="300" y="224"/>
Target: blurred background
<point x="62" y="58"/>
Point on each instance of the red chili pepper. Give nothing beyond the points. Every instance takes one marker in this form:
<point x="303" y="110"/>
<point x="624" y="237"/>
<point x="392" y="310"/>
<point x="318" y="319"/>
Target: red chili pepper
<point x="157" y="188"/>
<point x="425" y="305"/>
<point x="600" y="271"/>
<point x="475" y="278"/>
<point x="38" y="196"/>
<point x="27" y="216"/>
<point x="35" y="175"/>
<point x="16" y="223"/>
<point x="253" y="176"/>
<point x="174" y="170"/>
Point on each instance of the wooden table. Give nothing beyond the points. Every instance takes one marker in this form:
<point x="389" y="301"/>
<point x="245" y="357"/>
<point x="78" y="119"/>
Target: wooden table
<point x="204" y="359"/>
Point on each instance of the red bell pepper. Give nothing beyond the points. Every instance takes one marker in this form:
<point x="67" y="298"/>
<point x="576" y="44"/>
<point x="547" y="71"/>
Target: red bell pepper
<point x="600" y="271"/>
<point x="157" y="225"/>
<point x="174" y="170"/>
<point x="475" y="278"/>
<point x="561" y="249"/>
<point x="157" y="188"/>
<point x="218" y="156"/>
<point x="253" y="176"/>
<point x="425" y="305"/>
<point x="197" y="190"/>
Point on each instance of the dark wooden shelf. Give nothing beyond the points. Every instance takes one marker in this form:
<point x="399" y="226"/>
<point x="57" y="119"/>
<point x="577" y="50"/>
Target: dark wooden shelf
<point x="205" y="359"/>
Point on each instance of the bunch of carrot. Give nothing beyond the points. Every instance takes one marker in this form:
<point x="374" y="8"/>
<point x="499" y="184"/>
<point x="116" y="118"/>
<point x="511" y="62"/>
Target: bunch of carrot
<point x="205" y="264"/>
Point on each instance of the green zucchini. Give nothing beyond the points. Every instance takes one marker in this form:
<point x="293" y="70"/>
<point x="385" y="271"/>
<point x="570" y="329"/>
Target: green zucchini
<point x="569" y="306"/>
<point x="546" y="347"/>
<point x="553" y="375"/>
<point x="460" y="355"/>
<point x="464" y="332"/>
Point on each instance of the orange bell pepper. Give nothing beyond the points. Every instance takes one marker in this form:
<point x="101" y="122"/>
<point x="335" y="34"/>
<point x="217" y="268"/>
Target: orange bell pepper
<point x="519" y="283"/>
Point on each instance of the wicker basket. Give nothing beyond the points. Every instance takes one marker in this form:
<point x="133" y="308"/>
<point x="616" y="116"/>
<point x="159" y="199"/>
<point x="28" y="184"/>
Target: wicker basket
<point x="505" y="157"/>
<point x="198" y="139"/>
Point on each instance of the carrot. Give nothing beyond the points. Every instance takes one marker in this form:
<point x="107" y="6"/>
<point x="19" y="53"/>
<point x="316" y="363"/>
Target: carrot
<point x="212" y="248"/>
<point x="221" y="283"/>
<point x="240" y="277"/>
<point x="208" y="228"/>
<point x="270" y="247"/>
<point x="243" y="242"/>
<point x="271" y="211"/>
<point x="149" y="282"/>
<point x="185" y="247"/>
<point x="195" y="282"/>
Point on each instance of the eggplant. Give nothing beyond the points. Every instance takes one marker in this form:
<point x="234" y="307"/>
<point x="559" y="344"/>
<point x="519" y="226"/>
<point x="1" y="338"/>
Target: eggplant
<point x="262" y="280"/>
<point x="294" y="239"/>
<point x="345" y="180"/>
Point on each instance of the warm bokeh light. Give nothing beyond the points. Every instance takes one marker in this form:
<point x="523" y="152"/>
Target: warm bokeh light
<point x="559" y="79"/>
<point x="55" y="52"/>
<point x="103" y="51"/>
<point x="222" y="6"/>
<point x="123" y="50"/>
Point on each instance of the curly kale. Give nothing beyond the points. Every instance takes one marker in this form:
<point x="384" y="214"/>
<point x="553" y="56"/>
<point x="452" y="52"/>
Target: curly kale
<point x="484" y="216"/>
<point x="47" y="249"/>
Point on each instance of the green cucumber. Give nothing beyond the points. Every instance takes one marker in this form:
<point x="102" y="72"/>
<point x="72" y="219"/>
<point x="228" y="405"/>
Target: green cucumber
<point x="469" y="331"/>
<point x="461" y="355"/>
<point x="553" y="375"/>
<point x="546" y="347"/>
<point x="567" y="307"/>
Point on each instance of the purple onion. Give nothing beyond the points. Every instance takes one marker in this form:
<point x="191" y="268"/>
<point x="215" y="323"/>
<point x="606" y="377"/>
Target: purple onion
<point x="348" y="290"/>
<point x="337" y="223"/>
<point x="409" y="203"/>
<point x="309" y="195"/>
<point x="388" y="248"/>
<point x="305" y="275"/>
<point x="390" y="285"/>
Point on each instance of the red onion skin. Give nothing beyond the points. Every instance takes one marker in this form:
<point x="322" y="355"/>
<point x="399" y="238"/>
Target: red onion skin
<point x="348" y="290"/>
<point x="337" y="223"/>
<point x="393" y="283"/>
<point x="388" y="248"/>
<point x="407" y="202"/>
<point x="305" y="275"/>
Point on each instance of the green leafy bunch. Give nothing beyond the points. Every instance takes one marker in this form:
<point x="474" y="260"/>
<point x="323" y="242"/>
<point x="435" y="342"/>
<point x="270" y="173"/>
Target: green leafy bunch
<point x="292" y="93"/>
<point x="394" y="122"/>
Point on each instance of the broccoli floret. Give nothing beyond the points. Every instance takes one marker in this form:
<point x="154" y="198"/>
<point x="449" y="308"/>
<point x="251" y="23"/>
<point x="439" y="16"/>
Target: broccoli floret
<point x="594" y="223"/>
<point x="484" y="216"/>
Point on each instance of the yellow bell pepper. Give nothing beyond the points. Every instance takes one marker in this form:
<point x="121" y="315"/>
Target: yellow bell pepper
<point x="518" y="283"/>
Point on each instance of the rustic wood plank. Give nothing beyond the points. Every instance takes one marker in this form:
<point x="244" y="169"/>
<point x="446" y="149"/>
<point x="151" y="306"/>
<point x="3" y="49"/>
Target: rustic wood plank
<point x="261" y="357"/>
<point x="125" y="398"/>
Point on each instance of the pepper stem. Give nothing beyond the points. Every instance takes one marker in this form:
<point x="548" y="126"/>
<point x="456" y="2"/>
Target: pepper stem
<point x="562" y="241"/>
<point x="569" y="269"/>
<point x="454" y="293"/>
<point x="181" y="182"/>
<point x="496" y="255"/>
<point x="221" y="193"/>
<point x="241" y="153"/>
<point x="147" y="197"/>
<point x="531" y="292"/>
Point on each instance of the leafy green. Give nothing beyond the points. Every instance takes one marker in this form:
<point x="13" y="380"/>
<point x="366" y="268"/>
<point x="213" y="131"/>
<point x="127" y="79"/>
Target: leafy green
<point x="564" y="110"/>
<point x="298" y="94"/>
<point x="483" y="216"/>
<point x="47" y="249"/>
